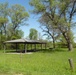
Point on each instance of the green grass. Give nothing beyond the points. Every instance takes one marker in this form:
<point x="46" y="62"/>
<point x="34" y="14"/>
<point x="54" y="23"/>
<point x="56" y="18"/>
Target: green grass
<point x="39" y="63"/>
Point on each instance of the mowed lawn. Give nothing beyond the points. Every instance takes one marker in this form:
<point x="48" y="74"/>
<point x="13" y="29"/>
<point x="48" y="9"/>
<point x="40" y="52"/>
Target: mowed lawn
<point x="45" y="62"/>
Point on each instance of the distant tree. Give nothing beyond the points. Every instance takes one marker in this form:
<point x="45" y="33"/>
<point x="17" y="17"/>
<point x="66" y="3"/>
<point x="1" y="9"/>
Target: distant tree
<point x="40" y="36"/>
<point x="33" y="35"/>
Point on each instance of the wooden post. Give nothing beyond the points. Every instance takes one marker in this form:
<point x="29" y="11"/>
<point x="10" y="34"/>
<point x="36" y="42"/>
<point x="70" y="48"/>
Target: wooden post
<point x="4" y="47"/>
<point x="25" y="48"/>
<point x="45" y="45"/>
<point x="35" y="46"/>
<point x="31" y="46"/>
<point x="71" y="64"/>
<point x="41" y="46"/>
<point x="16" y="46"/>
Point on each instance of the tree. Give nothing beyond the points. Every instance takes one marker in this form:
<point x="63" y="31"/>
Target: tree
<point x="51" y="31"/>
<point x="2" y="34"/>
<point x="18" y="16"/>
<point x="40" y="37"/>
<point x="33" y="35"/>
<point x="18" y="33"/>
<point x="3" y="17"/>
<point x="3" y="22"/>
<point x="61" y="14"/>
<point x="10" y="21"/>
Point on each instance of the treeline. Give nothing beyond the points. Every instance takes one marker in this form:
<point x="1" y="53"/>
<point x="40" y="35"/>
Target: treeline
<point x="11" y="18"/>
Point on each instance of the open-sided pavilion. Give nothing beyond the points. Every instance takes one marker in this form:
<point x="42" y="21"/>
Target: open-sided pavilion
<point x="25" y="42"/>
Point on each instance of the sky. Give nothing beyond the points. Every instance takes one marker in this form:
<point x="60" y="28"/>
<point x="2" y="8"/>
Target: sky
<point x="32" y="20"/>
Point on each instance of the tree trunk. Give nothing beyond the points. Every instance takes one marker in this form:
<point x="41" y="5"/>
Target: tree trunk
<point x="69" y="43"/>
<point x="5" y="33"/>
<point x="70" y="46"/>
<point x="69" y="40"/>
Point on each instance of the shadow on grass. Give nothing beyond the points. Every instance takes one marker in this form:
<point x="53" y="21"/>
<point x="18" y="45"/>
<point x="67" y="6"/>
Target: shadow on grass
<point x="61" y="49"/>
<point x="20" y="51"/>
<point x="50" y="50"/>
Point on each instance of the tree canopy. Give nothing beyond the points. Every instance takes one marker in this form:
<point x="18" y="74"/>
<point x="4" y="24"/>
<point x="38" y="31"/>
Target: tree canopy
<point x="60" y="13"/>
<point x="18" y="16"/>
<point x="11" y="19"/>
<point x="33" y="35"/>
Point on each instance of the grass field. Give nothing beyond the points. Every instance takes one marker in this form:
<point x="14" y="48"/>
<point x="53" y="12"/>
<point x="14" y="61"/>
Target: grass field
<point x="45" y="62"/>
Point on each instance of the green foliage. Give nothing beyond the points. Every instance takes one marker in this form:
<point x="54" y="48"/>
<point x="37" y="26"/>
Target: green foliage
<point x="60" y="13"/>
<point x="39" y="6"/>
<point x="11" y="18"/>
<point x="3" y="17"/>
<point x="4" y="9"/>
<point x="18" y="16"/>
<point x="45" y="62"/>
<point x="33" y="35"/>
<point x="3" y="20"/>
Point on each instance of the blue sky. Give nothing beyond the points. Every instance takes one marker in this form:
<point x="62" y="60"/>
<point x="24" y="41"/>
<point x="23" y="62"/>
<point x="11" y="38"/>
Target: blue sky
<point x="32" y="21"/>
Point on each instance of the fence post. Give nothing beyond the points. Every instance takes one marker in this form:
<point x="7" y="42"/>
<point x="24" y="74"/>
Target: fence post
<point x="71" y="64"/>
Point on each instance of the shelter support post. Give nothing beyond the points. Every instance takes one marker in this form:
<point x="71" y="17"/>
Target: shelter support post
<point x="35" y="46"/>
<point x="25" y="48"/>
<point x="31" y="46"/>
<point x="41" y="46"/>
<point x="16" y="47"/>
<point x="4" y="47"/>
<point x="45" y="45"/>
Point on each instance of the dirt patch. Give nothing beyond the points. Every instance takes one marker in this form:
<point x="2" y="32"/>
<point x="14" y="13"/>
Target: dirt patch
<point x="21" y="53"/>
<point x="18" y="74"/>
